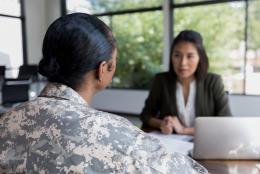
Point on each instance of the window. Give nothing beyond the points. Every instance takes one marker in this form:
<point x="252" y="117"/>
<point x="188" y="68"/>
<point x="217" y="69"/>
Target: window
<point x="11" y="46"/>
<point x="103" y="6"/>
<point x="10" y="7"/>
<point x="229" y="30"/>
<point x="223" y="37"/>
<point x="187" y="1"/>
<point x="139" y="41"/>
<point x="253" y="49"/>
<point x="137" y="26"/>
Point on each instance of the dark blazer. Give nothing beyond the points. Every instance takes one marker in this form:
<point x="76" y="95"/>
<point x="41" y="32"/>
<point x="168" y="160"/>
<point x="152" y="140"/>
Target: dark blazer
<point x="211" y="98"/>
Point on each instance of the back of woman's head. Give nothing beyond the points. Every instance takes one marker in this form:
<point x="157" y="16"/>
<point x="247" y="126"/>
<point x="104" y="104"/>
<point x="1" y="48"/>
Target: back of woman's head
<point x="73" y="45"/>
<point x="196" y="39"/>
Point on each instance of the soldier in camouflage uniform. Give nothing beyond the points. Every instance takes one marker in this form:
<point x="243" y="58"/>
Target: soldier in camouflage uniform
<point x="59" y="132"/>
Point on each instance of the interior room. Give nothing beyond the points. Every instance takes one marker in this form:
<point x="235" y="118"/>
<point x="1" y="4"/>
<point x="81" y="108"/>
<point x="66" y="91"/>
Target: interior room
<point x="144" y="31"/>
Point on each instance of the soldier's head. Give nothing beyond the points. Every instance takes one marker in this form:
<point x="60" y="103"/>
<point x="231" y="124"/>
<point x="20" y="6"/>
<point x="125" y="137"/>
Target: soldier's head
<point x="75" y="45"/>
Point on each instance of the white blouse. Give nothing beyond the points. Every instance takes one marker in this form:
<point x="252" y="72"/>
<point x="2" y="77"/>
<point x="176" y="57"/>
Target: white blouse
<point x="186" y="112"/>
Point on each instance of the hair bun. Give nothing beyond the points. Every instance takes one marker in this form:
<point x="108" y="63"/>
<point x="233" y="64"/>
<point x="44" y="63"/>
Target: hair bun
<point x="49" y="67"/>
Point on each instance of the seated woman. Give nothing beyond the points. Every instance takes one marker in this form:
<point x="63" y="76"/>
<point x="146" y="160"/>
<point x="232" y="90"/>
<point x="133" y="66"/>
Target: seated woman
<point x="177" y="97"/>
<point x="59" y="132"/>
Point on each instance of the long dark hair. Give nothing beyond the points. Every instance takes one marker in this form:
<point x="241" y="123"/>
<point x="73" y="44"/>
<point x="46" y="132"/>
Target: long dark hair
<point x="73" y="45"/>
<point x="195" y="38"/>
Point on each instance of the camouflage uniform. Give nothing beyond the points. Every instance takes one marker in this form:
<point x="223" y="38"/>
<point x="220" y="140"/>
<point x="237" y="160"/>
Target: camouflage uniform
<point x="59" y="133"/>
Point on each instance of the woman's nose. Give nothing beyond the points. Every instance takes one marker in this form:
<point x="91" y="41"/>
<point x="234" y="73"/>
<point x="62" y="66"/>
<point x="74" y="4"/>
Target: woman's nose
<point x="183" y="60"/>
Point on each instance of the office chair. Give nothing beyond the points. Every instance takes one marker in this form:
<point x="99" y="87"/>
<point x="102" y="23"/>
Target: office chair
<point x="2" y="76"/>
<point x="27" y="72"/>
<point x="2" y="71"/>
<point x="15" y="91"/>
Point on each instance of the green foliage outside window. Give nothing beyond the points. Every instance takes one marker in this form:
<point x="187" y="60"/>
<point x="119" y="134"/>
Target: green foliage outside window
<point x="140" y="38"/>
<point x="119" y="5"/>
<point x="222" y="36"/>
<point x="139" y="41"/>
<point x="101" y="6"/>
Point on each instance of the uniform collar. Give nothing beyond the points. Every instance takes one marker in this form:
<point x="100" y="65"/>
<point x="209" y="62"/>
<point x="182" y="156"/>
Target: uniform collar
<point x="58" y="90"/>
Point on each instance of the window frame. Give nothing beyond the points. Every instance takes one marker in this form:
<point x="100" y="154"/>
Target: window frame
<point x="167" y="8"/>
<point x="110" y="14"/>
<point x="214" y="2"/>
<point x="23" y="30"/>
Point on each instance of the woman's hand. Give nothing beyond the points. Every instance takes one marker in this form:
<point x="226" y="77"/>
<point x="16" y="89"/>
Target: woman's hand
<point x="166" y="126"/>
<point x="173" y="123"/>
<point x="177" y="126"/>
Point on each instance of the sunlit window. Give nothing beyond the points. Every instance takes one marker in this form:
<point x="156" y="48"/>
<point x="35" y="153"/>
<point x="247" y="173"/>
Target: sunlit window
<point x="11" y="52"/>
<point x="231" y="36"/>
<point x="10" y="7"/>
<point x="139" y="37"/>
<point x="252" y="66"/>
<point x="101" y="6"/>
<point x="230" y="31"/>
<point x="223" y="38"/>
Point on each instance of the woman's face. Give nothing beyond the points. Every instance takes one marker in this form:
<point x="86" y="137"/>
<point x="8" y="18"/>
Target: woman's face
<point x="185" y="60"/>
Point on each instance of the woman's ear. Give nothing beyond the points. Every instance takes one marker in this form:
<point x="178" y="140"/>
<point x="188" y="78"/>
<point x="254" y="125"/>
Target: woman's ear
<point x="101" y="70"/>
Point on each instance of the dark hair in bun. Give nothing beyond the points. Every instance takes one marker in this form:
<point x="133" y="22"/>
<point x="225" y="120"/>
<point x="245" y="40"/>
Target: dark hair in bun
<point x="73" y="45"/>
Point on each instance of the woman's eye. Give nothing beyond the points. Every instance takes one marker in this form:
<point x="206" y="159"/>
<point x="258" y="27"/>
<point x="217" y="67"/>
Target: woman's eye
<point x="176" y="55"/>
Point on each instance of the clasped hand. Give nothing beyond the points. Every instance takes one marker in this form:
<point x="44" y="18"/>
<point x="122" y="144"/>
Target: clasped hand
<point x="170" y="124"/>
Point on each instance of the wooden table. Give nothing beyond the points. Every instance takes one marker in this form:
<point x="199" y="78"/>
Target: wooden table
<point x="230" y="167"/>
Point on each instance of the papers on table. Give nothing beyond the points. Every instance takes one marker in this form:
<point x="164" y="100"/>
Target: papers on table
<point x="174" y="142"/>
<point x="172" y="136"/>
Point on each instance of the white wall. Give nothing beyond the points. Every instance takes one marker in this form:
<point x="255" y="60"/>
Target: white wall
<point x="38" y="15"/>
<point x="132" y="101"/>
<point x="245" y="105"/>
<point x="125" y="101"/>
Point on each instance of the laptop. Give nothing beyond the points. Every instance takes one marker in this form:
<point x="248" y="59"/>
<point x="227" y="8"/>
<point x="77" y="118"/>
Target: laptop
<point x="227" y="138"/>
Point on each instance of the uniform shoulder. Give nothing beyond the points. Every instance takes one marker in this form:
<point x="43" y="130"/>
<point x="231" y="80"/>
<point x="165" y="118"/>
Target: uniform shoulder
<point x="135" y="145"/>
<point x="111" y="120"/>
<point x="115" y="117"/>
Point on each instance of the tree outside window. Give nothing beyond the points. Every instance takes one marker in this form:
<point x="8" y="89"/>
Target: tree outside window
<point x="229" y="31"/>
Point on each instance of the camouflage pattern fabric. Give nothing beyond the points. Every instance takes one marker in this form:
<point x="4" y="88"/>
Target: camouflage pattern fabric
<point x="59" y="133"/>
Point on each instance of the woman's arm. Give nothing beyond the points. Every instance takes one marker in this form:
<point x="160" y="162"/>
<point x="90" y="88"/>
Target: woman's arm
<point x="188" y="131"/>
<point x="152" y="104"/>
<point x="155" y="122"/>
